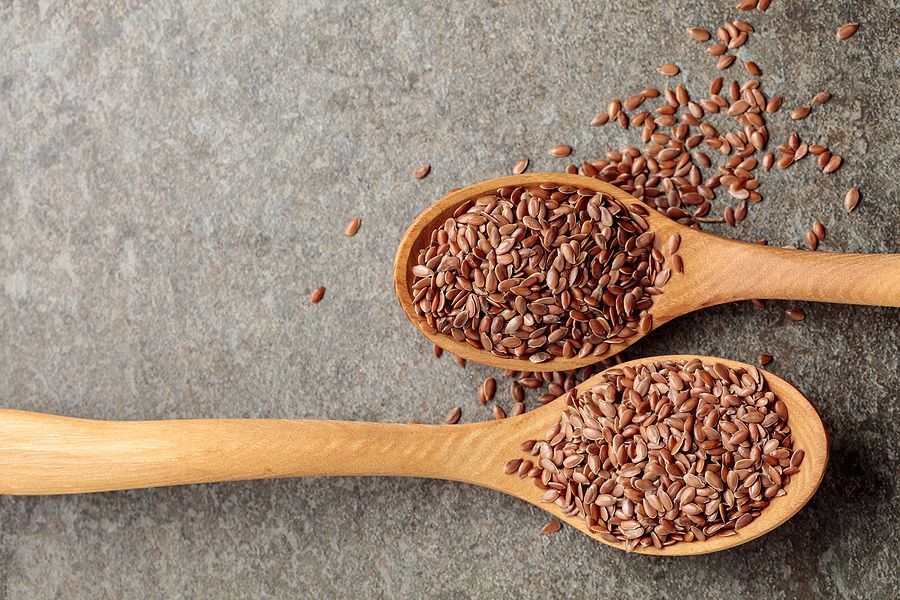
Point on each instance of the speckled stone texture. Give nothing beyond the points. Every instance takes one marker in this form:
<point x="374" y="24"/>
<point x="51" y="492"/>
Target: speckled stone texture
<point x="174" y="182"/>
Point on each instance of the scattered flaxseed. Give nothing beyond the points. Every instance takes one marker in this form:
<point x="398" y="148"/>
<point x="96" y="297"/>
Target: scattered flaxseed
<point x="614" y="108"/>
<point x="801" y="112"/>
<point x="490" y="388"/>
<point x="520" y="166"/>
<point x="560" y="150"/>
<point x="818" y="229"/>
<point x="698" y="34"/>
<point x="512" y="466"/>
<point x="669" y="69"/>
<point x="551" y="527"/>
<point x="821" y="98"/>
<point x="851" y="199"/>
<point x="352" y="226"/>
<point x="717" y="49"/>
<point x="796" y="314"/>
<point x="725" y="61"/>
<point x="847" y="31"/>
<point x="811" y="240"/>
<point x="632" y="102"/>
<point x="833" y="163"/>
<point x="453" y="416"/>
<point x="674" y="243"/>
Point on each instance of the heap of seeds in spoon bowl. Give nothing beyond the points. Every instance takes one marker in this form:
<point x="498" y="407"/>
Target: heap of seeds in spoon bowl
<point x="666" y="452"/>
<point x="540" y="271"/>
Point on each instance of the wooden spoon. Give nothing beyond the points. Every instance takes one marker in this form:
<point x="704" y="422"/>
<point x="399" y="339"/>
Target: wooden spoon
<point x="45" y="454"/>
<point x="716" y="270"/>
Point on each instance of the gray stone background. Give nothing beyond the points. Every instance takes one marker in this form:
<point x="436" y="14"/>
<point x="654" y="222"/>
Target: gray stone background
<point x="174" y="182"/>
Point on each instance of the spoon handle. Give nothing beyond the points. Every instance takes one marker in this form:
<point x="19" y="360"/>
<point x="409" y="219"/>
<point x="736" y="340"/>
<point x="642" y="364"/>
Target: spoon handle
<point x="47" y="454"/>
<point x="745" y="271"/>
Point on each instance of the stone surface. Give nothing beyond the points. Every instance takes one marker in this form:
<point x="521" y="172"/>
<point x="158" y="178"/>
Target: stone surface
<point x="174" y="182"/>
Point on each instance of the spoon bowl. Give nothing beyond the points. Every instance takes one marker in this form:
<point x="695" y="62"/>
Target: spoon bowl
<point x="716" y="270"/>
<point x="47" y="454"/>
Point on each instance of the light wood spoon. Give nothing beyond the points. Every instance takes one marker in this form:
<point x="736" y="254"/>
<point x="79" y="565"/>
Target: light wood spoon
<point x="716" y="270"/>
<point x="46" y="454"/>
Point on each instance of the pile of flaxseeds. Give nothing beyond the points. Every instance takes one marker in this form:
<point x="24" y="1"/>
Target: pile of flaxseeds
<point x="541" y="271"/>
<point x="665" y="452"/>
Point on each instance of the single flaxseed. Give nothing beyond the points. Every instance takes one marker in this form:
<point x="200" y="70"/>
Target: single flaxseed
<point x="717" y="49"/>
<point x="632" y="102"/>
<point x="698" y="34"/>
<point x="520" y="166"/>
<point x="453" y="416"/>
<point x="818" y="229"/>
<point x="352" y="226"/>
<point x="317" y="295"/>
<point x="551" y="527"/>
<point x="796" y="314"/>
<point x="669" y="69"/>
<point x="833" y="163"/>
<point x="614" y="108"/>
<point x="560" y="150"/>
<point x="765" y="359"/>
<point x="490" y="389"/>
<point x="811" y="240"/>
<point x="801" y="112"/>
<point x="512" y="466"/>
<point x="851" y="199"/>
<point x="725" y="61"/>
<point x="821" y="98"/>
<point x="422" y="172"/>
<point x="845" y="32"/>
<point x="674" y="243"/>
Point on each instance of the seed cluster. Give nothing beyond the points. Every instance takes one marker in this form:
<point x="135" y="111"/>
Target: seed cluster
<point x="680" y="142"/>
<point x="665" y="452"/>
<point x="541" y="271"/>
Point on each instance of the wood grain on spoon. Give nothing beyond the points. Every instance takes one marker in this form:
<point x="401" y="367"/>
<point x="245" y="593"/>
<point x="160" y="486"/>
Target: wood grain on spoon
<point x="46" y="454"/>
<point x="716" y="270"/>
